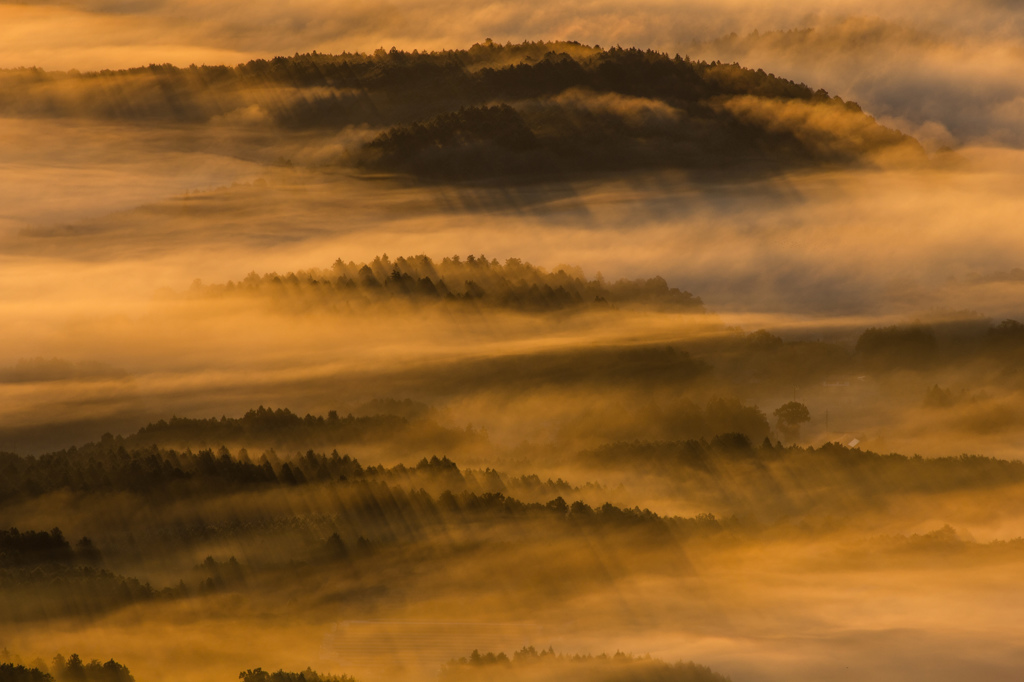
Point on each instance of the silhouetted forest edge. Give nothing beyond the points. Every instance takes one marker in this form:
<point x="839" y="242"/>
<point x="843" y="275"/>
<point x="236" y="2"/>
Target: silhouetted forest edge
<point x="474" y="281"/>
<point x="523" y="664"/>
<point x="60" y="669"/>
<point x="528" y="663"/>
<point x="144" y="462"/>
<point x="375" y="510"/>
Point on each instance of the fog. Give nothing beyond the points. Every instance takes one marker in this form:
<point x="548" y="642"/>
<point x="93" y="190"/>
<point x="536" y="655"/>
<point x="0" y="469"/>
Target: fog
<point x="948" y="73"/>
<point x="104" y="272"/>
<point x="173" y="251"/>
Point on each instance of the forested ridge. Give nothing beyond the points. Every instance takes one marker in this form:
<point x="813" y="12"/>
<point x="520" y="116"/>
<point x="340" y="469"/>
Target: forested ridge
<point x="530" y="111"/>
<point x="416" y="83"/>
<point x="475" y="280"/>
<point x="523" y="663"/>
<point x="529" y="663"/>
<point x="831" y="466"/>
<point x="144" y="463"/>
<point x="355" y="515"/>
<point x="344" y="520"/>
<point x="665" y="359"/>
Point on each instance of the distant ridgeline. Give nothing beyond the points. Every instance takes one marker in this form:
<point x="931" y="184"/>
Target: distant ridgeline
<point x="831" y="469"/>
<point x="401" y="423"/>
<point x="138" y="464"/>
<point x="514" y="285"/>
<point x="369" y="510"/>
<point x="547" y="666"/>
<point x="533" y="109"/>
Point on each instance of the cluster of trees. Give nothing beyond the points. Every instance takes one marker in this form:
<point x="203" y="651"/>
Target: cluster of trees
<point x="11" y="672"/>
<point x="44" y="547"/>
<point x="308" y="675"/>
<point x="789" y="417"/>
<point x="71" y="669"/>
<point x="74" y="670"/>
<point x="513" y="284"/>
<point x="531" y="664"/>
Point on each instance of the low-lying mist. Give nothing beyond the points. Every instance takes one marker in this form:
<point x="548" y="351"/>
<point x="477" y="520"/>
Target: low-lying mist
<point x="269" y="402"/>
<point x="112" y="324"/>
<point x="376" y="571"/>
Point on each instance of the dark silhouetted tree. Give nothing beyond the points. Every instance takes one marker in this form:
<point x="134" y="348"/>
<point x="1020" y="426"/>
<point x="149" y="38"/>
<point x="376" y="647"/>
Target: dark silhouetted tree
<point x="789" y="417"/>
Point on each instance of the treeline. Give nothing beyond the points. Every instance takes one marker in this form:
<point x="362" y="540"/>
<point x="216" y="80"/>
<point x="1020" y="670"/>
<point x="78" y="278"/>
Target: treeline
<point x="109" y="466"/>
<point x="308" y="675"/>
<point x="35" y="547"/>
<point x="164" y="473"/>
<point x="371" y="517"/>
<point x="278" y="427"/>
<point x="284" y="429"/>
<point x="513" y="284"/>
<point x="366" y="523"/>
<point x="374" y="503"/>
<point x="830" y="467"/>
<point x="41" y="576"/>
<point x="71" y="669"/>
<point x="368" y="502"/>
<point x="531" y="664"/>
<point x="382" y="88"/>
<point x="53" y="589"/>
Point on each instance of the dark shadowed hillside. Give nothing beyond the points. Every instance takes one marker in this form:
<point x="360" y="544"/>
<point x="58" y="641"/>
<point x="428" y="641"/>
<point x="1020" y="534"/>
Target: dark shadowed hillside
<point x="532" y="110"/>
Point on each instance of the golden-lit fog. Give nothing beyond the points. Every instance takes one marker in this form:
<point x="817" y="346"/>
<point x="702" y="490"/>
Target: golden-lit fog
<point x="146" y="272"/>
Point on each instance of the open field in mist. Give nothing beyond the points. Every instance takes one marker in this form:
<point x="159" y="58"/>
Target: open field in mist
<point x="524" y="360"/>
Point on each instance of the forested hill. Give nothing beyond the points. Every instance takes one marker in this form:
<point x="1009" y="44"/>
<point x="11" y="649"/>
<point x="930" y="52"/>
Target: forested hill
<point x="475" y="280"/>
<point x="529" y="109"/>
